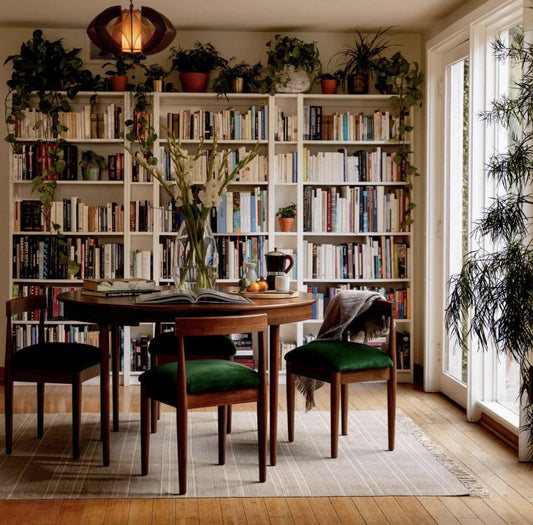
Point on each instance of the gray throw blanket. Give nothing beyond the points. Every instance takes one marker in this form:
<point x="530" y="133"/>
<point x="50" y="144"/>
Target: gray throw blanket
<point x="344" y="320"/>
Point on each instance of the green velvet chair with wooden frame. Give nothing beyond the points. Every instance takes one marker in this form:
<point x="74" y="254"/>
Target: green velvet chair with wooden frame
<point x="340" y="363"/>
<point x="45" y="362"/>
<point x="196" y="383"/>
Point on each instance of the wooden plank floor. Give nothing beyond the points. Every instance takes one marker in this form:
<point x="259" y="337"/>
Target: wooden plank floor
<point x="509" y="483"/>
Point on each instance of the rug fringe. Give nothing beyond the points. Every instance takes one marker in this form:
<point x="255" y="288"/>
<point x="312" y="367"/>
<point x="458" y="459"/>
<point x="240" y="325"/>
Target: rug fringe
<point x="470" y="482"/>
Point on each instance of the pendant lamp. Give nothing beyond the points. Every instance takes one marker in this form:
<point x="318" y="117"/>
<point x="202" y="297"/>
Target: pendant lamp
<point x="131" y="31"/>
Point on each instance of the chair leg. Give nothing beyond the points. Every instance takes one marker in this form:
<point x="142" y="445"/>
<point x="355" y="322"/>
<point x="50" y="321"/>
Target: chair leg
<point x="145" y="431"/>
<point x="222" y="428"/>
<point x="40" y="409"/>
<point x="290" y="378"/>
<point x="391" y="411"/>
<point x="181" y="425"/>
<point x="262" y="435"/>
<point x="344" y="409"/>
<point x="228" y="427"/>
<point x="76" y="417"/>
<point x="334" y="407"/>
<point x="154" y="412"/>
<point x="8" y="409"/>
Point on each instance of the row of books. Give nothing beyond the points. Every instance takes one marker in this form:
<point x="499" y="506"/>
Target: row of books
<point x="377" y="258"/>
<point x="287" y="167"/>
<point x="285" y="126"/>
<point x="141" y="264"/>
<point x="228" y="124"/>
<point x="354" y="209"/>
<point x="141" y="216"/>
<point x="38" y="160"/>
<point x="46" y="257"/>
<point x="255" y="171"/>
<point x="87" y="123"/>
<point x="241" y="212"/>
<point x="376" y="126"/>
<point x="54" y="309"/>
<point x="70" y="214"/>
<point x="25" y="335"/>
<point x="376" y="165"/>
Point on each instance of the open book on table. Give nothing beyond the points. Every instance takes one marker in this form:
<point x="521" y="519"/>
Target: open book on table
<point x="202" y="295"/>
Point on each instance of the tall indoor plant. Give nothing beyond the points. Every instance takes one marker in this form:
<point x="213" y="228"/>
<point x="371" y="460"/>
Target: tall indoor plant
<point x="491" y="298"/>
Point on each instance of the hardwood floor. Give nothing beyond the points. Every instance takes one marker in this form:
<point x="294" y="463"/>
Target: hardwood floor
<point x="509" y="483"/>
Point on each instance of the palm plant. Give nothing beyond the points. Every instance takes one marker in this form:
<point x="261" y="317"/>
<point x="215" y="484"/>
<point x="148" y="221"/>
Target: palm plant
<point x="491" y="298"/>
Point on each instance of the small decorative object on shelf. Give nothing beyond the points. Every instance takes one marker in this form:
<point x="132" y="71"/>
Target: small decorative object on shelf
<point x="238" y="78"/>
<point x="286" y="216"/>
<point x="91" y="163"/>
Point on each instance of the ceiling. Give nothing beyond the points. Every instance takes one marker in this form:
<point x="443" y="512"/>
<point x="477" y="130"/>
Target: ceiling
<point x="246" y="15"/>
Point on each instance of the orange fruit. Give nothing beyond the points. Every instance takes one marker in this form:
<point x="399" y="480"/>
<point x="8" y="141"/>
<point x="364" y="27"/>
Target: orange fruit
<point x="253" y="287"/>
<point x="263" y="286"/>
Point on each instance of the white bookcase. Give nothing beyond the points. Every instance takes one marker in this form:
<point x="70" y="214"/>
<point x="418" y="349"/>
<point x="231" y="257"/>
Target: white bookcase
<point x="287" y="172"/>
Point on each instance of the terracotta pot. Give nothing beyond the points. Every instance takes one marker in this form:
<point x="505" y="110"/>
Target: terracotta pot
<point x="119" y="82"/>
<point x="194" y="82"/>
<point x="285" y="223"/>
<point x="329" y="86"/>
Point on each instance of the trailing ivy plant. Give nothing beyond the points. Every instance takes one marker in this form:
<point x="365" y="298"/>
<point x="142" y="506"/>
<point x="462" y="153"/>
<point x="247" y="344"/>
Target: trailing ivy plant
<point x="491" y="298"/>
<point x="54" y="75"/>
<point x="402" y="80"/>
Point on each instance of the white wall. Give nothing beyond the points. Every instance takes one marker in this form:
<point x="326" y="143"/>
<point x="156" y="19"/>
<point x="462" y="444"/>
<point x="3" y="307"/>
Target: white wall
<point x="249" y="46"/>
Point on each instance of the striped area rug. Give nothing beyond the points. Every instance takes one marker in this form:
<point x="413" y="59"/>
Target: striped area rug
<point x="44" y="468"/>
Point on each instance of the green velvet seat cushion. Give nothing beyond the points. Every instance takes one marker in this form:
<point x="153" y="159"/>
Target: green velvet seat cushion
<point x="339" y="356"/>
<point x="214" y="345"/>
<point x="203" y="376"/>
<point x="56" y="356"/>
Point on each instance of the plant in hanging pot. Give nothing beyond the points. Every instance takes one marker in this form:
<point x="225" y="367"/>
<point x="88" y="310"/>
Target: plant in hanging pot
<point x="91" y="164"/>
<point x="291" y="64"/>
<point x="360" y="59"/>
<point x="286" y="216"/>
<point x="195" y="65"/>
<point x="238" y="78"/>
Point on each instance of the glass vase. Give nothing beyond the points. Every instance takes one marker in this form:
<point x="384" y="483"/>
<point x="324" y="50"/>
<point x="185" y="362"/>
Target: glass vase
<point x="195" y="257"/>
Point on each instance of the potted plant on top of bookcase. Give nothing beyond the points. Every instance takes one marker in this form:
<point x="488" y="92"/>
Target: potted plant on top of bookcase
<point x="194" y="65"/>
<point x="291" y="64"/>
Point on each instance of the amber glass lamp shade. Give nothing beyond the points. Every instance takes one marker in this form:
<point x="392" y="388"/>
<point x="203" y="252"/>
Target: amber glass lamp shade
<point x="126" y="31"/>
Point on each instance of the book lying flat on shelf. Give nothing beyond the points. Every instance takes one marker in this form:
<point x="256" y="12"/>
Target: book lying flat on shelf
<point x="202" y="295"/>
<point x="127" y="284"/>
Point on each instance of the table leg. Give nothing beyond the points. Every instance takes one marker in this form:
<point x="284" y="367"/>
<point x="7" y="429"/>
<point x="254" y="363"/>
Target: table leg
<point x="104" y="394"/>
<point x="274" y="381"/>
<point x="115" y="373"/>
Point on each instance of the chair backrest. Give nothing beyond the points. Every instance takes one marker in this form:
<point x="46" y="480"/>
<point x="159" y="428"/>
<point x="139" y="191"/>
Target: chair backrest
<point x="36" y="304"/>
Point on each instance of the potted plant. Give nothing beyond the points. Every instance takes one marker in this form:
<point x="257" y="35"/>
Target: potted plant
<point x="119" y="71"/>
<point x="360" y="59"/>
<point x="286" y="215"/>
<point x="155" y="75"/>
<point x="91" y="163"/>
<point x="238" y="78"/>
<point x="194" y="65"/>
<point x="291" y="63"/>
<point x="329" y="82"/>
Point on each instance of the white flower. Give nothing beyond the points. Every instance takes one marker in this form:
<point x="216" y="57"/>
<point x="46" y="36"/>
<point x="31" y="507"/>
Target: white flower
<point x="209" y="195"/>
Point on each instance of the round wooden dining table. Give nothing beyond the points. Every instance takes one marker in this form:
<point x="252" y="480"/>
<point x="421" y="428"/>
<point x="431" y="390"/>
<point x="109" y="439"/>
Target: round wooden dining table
<point x="111" y="313"/>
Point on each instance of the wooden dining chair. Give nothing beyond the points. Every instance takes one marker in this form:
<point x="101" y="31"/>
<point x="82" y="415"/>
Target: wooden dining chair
<point x="195" y="383"/>
<point x="341" y="362"/>
<point x="163" y="349"/>
<point x="45" y="362"/>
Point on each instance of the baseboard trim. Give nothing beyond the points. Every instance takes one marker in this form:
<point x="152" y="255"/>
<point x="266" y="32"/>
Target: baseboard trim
<point x="498" y="430"/>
